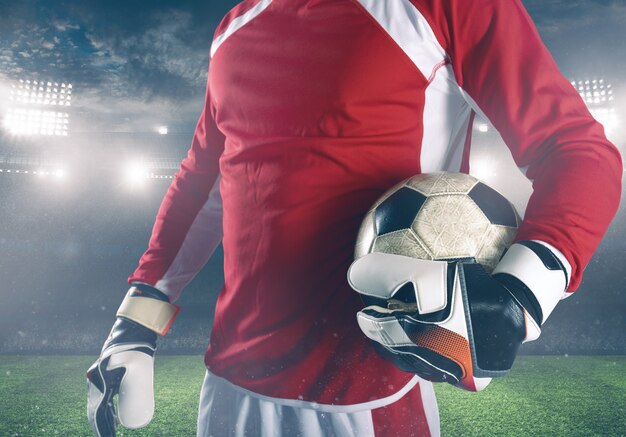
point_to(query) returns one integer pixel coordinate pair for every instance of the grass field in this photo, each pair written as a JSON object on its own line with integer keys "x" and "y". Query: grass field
{"x": 543, "y": 396}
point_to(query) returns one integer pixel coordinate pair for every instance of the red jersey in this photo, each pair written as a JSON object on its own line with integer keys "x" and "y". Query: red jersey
{"x": 314, "y": 108}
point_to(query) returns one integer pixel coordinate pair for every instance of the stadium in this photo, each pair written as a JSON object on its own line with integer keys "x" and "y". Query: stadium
{"x": 98, "y": 106}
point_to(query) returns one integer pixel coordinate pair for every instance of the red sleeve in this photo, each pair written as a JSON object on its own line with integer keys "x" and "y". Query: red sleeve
{"x": 508, "y": 74}
{"x": 170, "y": 260}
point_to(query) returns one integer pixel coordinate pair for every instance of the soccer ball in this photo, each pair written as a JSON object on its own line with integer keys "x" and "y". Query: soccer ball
{"x": 440, "y": 216}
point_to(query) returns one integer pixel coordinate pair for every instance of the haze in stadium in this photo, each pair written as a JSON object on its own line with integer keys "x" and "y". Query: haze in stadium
{"x": 114, "y": 92}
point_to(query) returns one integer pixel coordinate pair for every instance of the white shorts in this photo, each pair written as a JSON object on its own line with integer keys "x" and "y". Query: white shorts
{"x": 227, "y": 410}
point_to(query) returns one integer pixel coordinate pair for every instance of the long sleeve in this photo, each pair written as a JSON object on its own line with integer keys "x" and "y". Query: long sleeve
{"x": 506, "y": 73}
{"x": 188, "y": 226}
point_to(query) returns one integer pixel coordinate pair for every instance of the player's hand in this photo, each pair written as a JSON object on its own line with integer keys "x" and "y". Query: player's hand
{"x": 126, "y": 363}
{"x": 456, "y": 322}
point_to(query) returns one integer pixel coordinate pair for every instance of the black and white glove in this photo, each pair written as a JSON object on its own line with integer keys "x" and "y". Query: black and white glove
{"x": 126, "y": 363}
{"x": 452, "y": 321}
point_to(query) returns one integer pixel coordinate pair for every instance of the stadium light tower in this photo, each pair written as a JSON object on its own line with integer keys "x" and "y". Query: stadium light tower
{"x": 38, "y": 108}
{"x": 599, "y": 97}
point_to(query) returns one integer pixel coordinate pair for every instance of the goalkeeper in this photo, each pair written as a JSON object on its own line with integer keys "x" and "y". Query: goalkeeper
{"x": 313, "y": 109}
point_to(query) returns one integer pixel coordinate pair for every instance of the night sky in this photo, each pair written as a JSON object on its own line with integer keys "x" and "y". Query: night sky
{"x": 66, "y": 247}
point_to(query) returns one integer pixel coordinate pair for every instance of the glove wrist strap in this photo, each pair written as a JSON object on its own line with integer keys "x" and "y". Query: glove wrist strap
{"x": 540, "y": 270}
{"x": 156, "y": 315}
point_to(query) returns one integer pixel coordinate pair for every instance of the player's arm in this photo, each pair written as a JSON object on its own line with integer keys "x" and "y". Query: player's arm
{"x": 504, "y": 71}
{"x": 187, "y": 230}
{"x": 188, "y": 225}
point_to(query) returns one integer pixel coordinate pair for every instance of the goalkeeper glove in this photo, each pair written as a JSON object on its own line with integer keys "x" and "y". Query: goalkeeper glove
{"x": 125, "y": 365}
{"x": 453, "y": 321}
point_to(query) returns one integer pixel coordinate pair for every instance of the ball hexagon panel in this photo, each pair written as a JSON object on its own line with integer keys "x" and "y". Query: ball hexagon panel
{"x": 437, "y": 226}
{"x": 494, "y": 205}
{"x": 402, "y": 242}
{"x": 442, "y": 183}
{"x": 496, "y": 240}
{"x": 388, "y": 193}
{"x": 398, "y": 211}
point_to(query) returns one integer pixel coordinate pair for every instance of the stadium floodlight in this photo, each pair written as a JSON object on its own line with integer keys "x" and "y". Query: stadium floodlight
{"x": 143, "y": 168}
{"x": 20, "y": 121}
{"x": 27, "y": 92}
{"x": 594, "y": 91}
{"x": 37, "y": 107}
{"x": 41, "y": 172}
{"x": 598, "y": 95}
{"x": 162, "y": 130}
{"x": 44, "y": 172}
{"x": 136, "y": 172}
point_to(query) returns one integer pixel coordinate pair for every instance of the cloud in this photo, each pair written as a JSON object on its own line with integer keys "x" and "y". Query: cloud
{"x": 94, "y": 41}
{"x": 109, "y": 113}
{"x": 63, "y": 26}
{"x": 127, "y": 68}
{"x": 160, "y": 52}
{"x": 148, "y": 77}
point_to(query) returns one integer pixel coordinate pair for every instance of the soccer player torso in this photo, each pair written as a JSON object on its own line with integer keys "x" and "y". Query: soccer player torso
{"x": 322, "y": 110}
{"x": 314, "y": 109}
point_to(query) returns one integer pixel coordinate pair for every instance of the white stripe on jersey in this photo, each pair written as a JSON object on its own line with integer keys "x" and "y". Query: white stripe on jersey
{"x": 238, "y": 23}
{"x": 408, "y": 28}
{"x": 446, "y": 112}
{"x": 446, "y": 118}
{"x": 203, "y": 237}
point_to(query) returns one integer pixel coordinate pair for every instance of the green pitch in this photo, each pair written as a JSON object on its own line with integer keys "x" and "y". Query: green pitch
{"x": 543, "y": 396}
